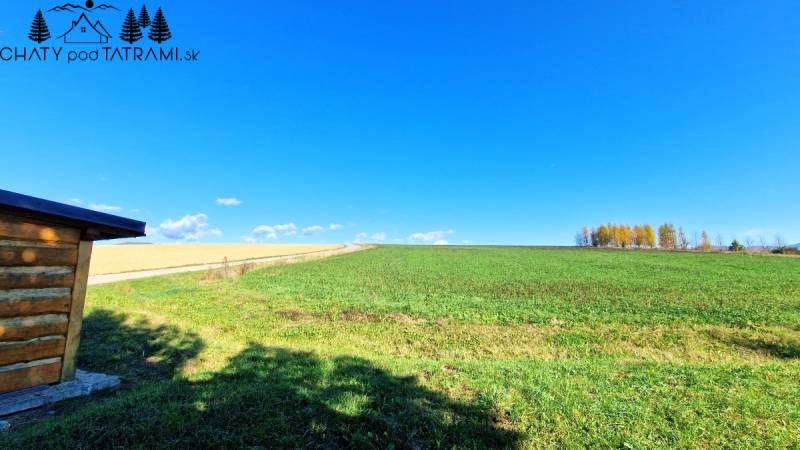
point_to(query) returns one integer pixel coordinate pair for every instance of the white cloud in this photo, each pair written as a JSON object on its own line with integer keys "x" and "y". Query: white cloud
{"x": 441, "y": 242}
{"x": 104, "y": 208}
{"x": 249, "y": 239}
{"x": 466, "y": 242}
{"x": 430, "y": 236}
{"x": 273, "y": 231}
{"x": 312, "y": 230}
{"x": 229, "y": 201}
{"x": 374, "y": 237}
{"x": 288, "y": 229}
{"x": 335, "y": 226}
{"x": 189, "y": 227}
{"x": 74, "y": 202}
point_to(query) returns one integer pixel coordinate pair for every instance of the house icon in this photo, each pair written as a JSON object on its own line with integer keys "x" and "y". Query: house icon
{"x": 83, "y": 32}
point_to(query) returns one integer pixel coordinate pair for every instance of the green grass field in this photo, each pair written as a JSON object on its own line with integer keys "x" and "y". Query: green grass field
{"x": 423, "y": 347}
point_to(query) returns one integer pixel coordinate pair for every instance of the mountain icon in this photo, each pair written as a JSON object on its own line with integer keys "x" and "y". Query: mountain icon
{"x": 71, "y": 7}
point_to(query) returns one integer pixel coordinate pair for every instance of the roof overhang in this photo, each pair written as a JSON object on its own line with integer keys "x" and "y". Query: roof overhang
{"x": 94, "y": 225}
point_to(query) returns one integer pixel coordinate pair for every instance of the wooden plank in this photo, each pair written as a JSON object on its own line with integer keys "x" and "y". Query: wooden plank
{"x": 36, "y": 277}
{"x": 76, "y": 310}
{"x": 33, "y": 255}
{"x": 36, "y": 244}
{"x": 28, "y": 302}
{"x": 22, "y": 376}
{"x": 32, "y": 349}
{"x": 18, "y": 328}
{"x": 16, "y": 228}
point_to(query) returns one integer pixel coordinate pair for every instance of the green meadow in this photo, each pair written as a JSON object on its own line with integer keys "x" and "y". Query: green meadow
{"x": 445, "y": 347}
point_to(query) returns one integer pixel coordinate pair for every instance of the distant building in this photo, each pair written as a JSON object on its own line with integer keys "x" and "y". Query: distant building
{"x": 83, "y": 32}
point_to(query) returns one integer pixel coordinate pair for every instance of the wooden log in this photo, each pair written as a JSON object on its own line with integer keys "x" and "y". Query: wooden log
{"x": 76, "y": 310}
{"x": 36, "y": 277}
{"x": 14, "y": 228}
{"x": 24, "y": 253}
{"x": 25, "y": 375}
{"x": 32, "y": 349}
{"x": 19, "y": 328}
{"x": 28, "y": 302}
{"x": 35, "y": 244}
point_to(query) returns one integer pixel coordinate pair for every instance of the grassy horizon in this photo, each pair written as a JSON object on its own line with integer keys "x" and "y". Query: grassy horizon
{"x": 469, "y": 347}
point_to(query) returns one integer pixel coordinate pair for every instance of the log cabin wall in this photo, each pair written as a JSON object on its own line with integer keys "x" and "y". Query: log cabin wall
{"x": 43, "y": 274}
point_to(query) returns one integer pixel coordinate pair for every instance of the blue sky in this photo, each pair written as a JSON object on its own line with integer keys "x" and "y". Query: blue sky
{"x": 419, "y": 121}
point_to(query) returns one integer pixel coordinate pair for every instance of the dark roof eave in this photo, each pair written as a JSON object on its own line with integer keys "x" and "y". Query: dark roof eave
{"x": 96, "y": 225}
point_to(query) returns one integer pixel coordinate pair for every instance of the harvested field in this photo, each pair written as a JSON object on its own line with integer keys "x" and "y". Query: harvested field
{"x": 131, "y": 258}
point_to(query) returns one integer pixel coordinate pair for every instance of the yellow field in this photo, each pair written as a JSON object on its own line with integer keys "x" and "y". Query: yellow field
{"x": 128, "y": 258}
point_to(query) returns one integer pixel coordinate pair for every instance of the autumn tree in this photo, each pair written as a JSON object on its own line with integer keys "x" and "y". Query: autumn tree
{"x": 39, "y": 31}
{"x": 130, "y": 28}
{"x": 666, "y": 237}
{"x": 705, "y": 241}
{"x": 639, "y": 237}
{"x": 603, "y": 236}
{"x": 595, "y": 238}
{"x": 613, "y": 235}
{"x": 624, "y": 236}
{"x": 650, "y": 236}
{"x": 586, "y": 237}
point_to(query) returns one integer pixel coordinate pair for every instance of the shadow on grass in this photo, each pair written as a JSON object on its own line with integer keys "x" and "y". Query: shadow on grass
{"x": 264, "y": 398}
{"x": 775, "y": 347}
{"x": 136, "y": 350}
{"x": 783, "y": 350}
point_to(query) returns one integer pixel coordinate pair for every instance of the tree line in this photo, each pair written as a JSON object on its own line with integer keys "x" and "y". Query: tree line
{"x": 666, "y": 237}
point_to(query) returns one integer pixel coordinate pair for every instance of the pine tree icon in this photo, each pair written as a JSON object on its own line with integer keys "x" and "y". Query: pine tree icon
{"x": 144, "y": 18}
{"x": 130, "y": 28}
{"x": 159, "y": 30}
{"x": 39, "y": 32}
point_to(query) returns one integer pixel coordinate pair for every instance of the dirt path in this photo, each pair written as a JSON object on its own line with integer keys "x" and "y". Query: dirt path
{"x": 288, "y": 259}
